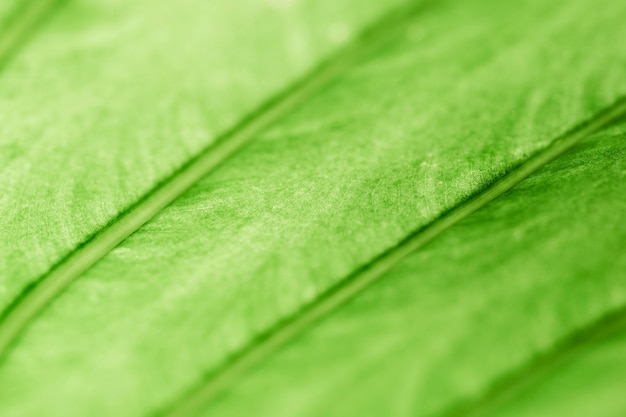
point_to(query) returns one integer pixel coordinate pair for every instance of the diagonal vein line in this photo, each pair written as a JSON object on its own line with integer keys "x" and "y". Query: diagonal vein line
{"x": 283, "y": 332}
{"x": 38, "y": 295}
{"x": 21, "y": 24}
{"x": 524, "y": 377}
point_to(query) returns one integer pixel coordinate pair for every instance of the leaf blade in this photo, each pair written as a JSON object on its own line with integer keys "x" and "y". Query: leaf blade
{"x": 141, "y": 294}
{"x": 97, "y": 71}
{"x": 589, "y": 380}
{"x": 457, "y": 322}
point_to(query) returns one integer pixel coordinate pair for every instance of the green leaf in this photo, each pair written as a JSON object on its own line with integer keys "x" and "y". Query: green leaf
{"x": 111, "y": 98}
{"x": 476, "y": 314}
{"x": 429, "y": 117}
{"x": 424, "y": 122}
{"x": 6, "y": 10}
{"x": 588, "y": 380}
{"x": 18, "y": 21}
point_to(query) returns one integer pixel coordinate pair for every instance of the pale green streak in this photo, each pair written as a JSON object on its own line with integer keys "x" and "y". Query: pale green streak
{"x": 18, "y": 22}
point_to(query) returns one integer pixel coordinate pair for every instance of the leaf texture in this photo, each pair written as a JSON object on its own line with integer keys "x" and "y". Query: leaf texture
{"x": 441, "y": 331}
{"x": 410, "y": 132}
{"x": 590, "y": 381}
{"x": 114, "y": 97}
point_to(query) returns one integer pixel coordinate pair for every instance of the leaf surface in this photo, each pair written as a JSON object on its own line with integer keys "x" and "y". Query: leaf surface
{"x": 448, "y": 329}
{"x": 114, "y": 97}
{"x": 6, "y": 9}
{"x": 590, "y": 381}
{"x": 413, "y": 130}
